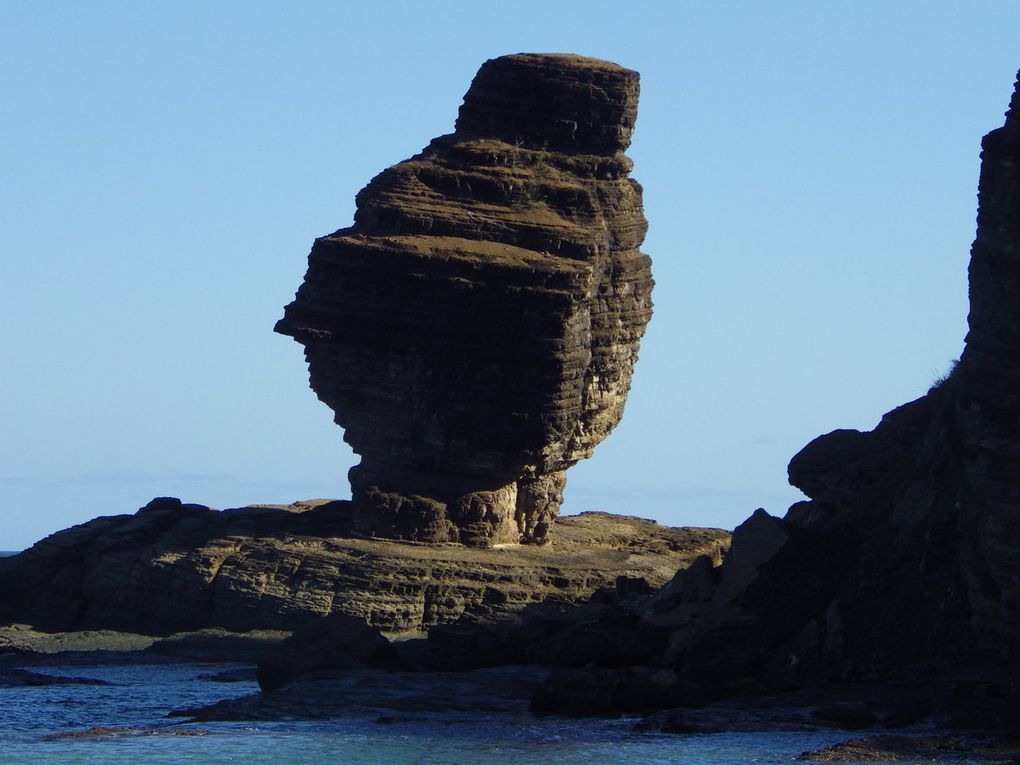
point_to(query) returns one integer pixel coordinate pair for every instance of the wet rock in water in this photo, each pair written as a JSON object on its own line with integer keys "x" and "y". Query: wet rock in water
{"x": 219, "y": 645}
{"x": 846, "y": 715}
{"x": 237, "y": 675}
{"x": 475, "y": 330}
{"x": 324, "y": 647}
{"x": 610, "y": 692}
{"x": 934, "y": 749}
{"x": 12, "y": 677}
{"x": 502, "y": 692}
{"x": 103, "y": 731}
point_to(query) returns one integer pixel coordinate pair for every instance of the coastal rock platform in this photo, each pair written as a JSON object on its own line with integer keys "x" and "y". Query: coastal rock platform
{"x": 174, "y": 567}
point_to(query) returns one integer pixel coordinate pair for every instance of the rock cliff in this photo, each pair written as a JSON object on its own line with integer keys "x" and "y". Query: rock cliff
{"x": 927, "y": 504}
{"x": 476, "y": 329}
{"x": 174, "y": 567}
{"x": 904, "y": 565}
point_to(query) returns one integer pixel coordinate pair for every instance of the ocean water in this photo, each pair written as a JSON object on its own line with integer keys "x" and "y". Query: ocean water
{"x": 32, "y": 721}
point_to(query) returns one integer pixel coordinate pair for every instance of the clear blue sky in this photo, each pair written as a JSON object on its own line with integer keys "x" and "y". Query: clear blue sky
{"x": 809, "y": 170}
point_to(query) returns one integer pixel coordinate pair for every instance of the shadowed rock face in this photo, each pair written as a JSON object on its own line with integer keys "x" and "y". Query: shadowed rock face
{"x": 476, "y": 329}
{"x": 934, "y": 490}
{"x": 906, "y": 560}
{"x": 903, "y": 568}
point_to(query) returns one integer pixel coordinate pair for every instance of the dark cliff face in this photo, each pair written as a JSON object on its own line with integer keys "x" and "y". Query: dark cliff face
{"x": 985, "y": 395}
{"x": 907, "y": 557}
{"x": 903, "y": 568}
{"x": 475, "y": 330}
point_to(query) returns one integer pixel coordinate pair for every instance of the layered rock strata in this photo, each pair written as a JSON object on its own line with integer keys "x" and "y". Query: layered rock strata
{"x": 175, "y": 567}
{"x": 476, "y": 329}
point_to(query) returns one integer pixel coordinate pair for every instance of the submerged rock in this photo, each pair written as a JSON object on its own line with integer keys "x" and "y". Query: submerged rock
{"x": 476, "y": 329}
{"x": 104, "y": 731}
{"x": 236, "y": 675}
{"x": 13, "y": 677}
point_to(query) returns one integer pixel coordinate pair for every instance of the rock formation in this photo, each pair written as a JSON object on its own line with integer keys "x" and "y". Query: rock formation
{"x": 334, "y": 644}
{"x": 174, "y": 567}
{"x": 475, "y": 330}
{"x": 904, "y": 566}
{"x": 928, "y": 503}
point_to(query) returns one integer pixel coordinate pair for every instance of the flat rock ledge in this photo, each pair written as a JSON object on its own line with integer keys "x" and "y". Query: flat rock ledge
{"x": 175, "y": 567}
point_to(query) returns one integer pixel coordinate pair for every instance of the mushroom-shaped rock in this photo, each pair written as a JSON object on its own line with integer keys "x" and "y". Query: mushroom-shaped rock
{"x": 476, "y": 329}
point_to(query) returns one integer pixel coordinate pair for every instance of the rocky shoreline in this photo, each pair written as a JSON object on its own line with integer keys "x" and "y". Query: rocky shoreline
{"x": 882, "y": 723}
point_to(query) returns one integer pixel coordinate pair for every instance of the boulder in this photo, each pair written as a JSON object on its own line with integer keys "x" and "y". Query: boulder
{"x": 754, "y": 543}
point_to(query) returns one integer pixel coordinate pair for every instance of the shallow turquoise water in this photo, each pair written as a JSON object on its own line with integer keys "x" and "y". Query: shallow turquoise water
{"x": 143, "y": 694}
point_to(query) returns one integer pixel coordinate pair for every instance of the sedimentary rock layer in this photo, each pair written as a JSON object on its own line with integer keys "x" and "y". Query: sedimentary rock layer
{"x": 173, "y": 567}
{"x": 476, "y": 329}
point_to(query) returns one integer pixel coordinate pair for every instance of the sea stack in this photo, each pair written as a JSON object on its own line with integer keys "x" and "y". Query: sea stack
{"x": 475, "y": 330}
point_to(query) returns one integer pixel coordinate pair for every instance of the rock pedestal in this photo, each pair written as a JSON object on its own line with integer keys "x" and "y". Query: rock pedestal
{"x": 476, "y": 329}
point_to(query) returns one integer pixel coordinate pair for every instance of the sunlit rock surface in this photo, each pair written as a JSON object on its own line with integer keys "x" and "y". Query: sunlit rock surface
{"x": 476, "y": 329}
{"x": 174, "y": 567}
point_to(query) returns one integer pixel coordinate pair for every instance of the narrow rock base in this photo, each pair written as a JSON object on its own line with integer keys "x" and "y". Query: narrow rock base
{"x": 429, "y": 507}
